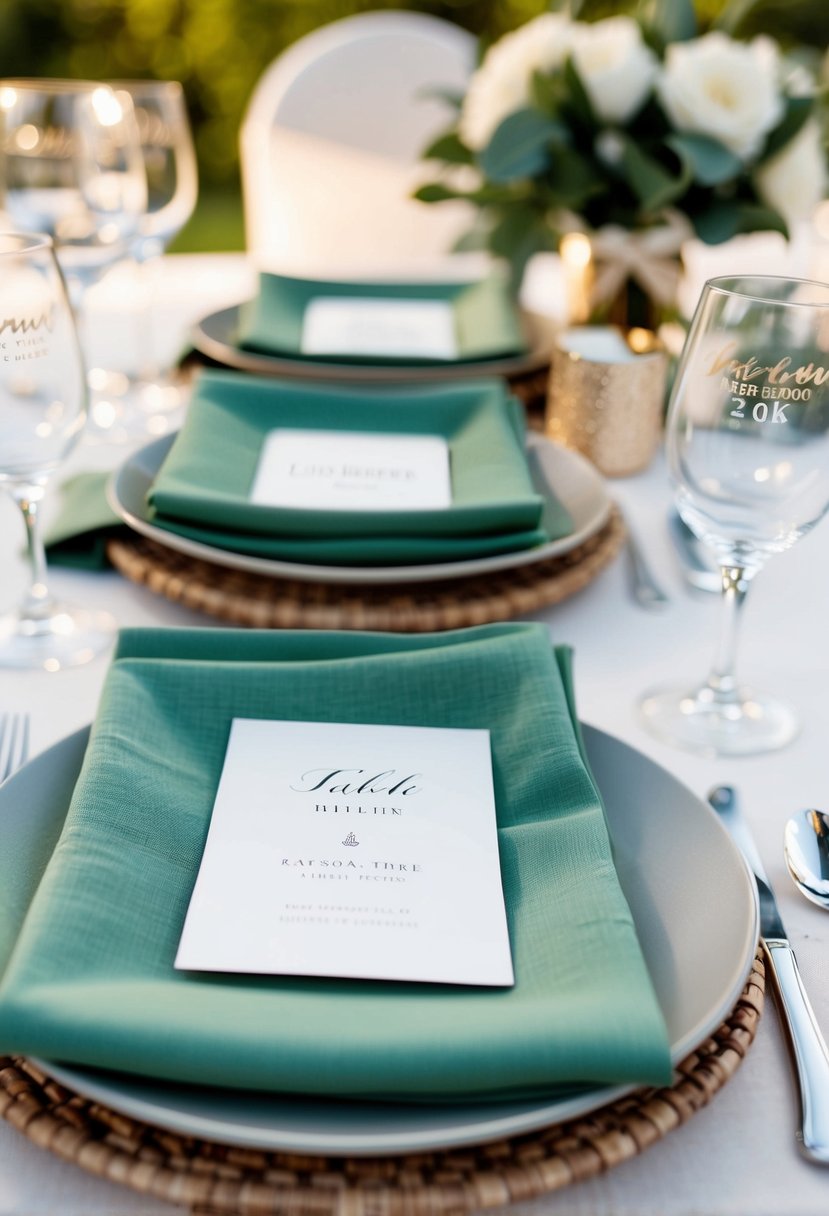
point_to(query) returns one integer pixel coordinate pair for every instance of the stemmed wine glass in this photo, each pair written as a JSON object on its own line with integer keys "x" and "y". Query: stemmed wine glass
{"x": 748, "y": 450}
{"x": 172, "y": 190}
{"x": 43, "y": 396}
{"x": 71, "y": 166}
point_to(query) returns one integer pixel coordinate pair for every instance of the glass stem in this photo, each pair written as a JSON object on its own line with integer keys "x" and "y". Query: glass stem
{"x": 721, "y": 678}
{"x": 147, "y": 365}
{"x": 37, "y": 603}
{"x": 76, "y": 290}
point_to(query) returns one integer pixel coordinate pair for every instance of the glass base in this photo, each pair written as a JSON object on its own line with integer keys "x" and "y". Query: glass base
{"x": 702, "y": 721}
{"x": 67, "y": 637}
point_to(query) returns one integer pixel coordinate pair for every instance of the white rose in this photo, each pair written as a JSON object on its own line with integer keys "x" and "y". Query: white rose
{"x": 793, "y": 181}
{"x": 501, "y": 84}
{"x": 722, "y": 88}
{"x": 616, "y": 67}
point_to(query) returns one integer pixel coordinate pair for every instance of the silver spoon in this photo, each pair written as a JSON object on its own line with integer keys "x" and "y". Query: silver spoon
{"x": 806, "y": 847}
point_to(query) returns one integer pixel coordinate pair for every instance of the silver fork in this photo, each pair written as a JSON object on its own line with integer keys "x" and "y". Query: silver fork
{"x": 14, "y": 743}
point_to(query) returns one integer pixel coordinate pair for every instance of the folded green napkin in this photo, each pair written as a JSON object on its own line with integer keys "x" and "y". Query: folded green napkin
{"x": 84, "y": 523}
{"x": 91, "y": 980}
{"x": 202, "y": 489}
{"x": 486, "y": 321}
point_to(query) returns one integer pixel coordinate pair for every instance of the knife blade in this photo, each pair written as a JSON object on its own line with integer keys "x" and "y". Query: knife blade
{"x": 699, "y": 565}
{"x": 809, "y": 1051}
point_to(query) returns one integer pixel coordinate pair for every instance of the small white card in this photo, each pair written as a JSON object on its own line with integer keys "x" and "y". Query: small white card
{"x": 352, "y": 851}
{"x": 353, "y": 325}
{"x": 352, "y": 471}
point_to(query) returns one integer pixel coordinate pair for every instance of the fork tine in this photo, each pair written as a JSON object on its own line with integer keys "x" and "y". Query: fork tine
{"x": 14, "y": 743}
{"x": 23, "y": 745}
{"x": 4, "y": 746}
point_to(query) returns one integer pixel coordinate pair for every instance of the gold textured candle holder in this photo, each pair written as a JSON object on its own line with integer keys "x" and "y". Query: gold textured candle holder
{"x": 606, "y": 396}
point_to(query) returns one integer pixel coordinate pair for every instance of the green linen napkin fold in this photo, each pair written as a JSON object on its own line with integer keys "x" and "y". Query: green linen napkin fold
{"x": 91, "y": 977}
{"x": 202, "y": 490}
{"x": 486, "y": 321}
{"x": 84, "y": 523}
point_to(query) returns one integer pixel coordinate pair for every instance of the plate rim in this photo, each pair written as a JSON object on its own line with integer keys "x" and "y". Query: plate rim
{"x": 532, "y": 1116}
{"x": 229, "y": 355}
{"x": 358, "y": 575}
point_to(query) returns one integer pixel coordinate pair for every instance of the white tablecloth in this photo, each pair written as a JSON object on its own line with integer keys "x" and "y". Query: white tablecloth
{"x": 736, "y": 1158}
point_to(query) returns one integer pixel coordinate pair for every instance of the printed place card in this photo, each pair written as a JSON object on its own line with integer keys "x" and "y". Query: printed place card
{"x": 352, "y": 851}
{"x": 353, "y": 471}
{"x": 353, "y": 325}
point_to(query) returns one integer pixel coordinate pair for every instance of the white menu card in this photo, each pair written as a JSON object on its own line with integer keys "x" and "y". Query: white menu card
{"x": 355, "y": 325}
{"x": 352, "y": 471}
{"x": 352, "y": 851}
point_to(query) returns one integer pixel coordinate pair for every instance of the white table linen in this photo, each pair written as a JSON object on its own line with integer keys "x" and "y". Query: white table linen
{"x": 738, "y": 1157}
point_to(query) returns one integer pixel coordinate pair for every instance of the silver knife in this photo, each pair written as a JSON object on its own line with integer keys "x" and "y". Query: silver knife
{"x": 811, "y": 1057}
{"x": 699, "y": 565}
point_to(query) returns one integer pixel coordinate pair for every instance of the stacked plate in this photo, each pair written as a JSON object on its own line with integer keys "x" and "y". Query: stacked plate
{"x": 476, "y": 334}
{"x": 698, "y": 940}
{"x": 265, "y": 335}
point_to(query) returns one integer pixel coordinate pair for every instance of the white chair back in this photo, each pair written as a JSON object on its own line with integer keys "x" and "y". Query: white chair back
{"x": 331, "y": 141}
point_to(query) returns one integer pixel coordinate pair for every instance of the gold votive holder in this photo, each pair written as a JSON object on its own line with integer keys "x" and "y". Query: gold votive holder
{"x": 606, "y": 396}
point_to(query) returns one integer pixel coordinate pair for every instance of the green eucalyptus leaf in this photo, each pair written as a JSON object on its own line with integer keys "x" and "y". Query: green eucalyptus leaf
{"x": 519, "y": 234}
{"x": 572, "y": 178}
{"x": 756, "y": 218}
{"x": 733, "y": 13}
{"x": 487, "y": 195}
{"x": 577, "y": 94}
{"x": 653, "y": 184}
{"x": 669, "y": 20}
{"x": 450, "y": 148}
{"x": 520, "y": 146}
{"x": 718, "y": 223}
{"x": 435, "y": 192}
{"x": 544, "y": 92}
{"x": 789, "y": 21}
{"x": 492, "y": 194}
{"x": 797, "y": 112}
{"x": 727, "y": 219}
{"x": 707, "y": 160}
{"x": 473, "y": 241}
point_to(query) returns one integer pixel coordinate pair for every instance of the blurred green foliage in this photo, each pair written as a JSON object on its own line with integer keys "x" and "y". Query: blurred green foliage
{"x": 216, "y": 48}
{"x": 219, "y": 48}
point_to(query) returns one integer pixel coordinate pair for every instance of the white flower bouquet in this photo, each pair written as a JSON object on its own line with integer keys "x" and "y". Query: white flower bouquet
{"x": 638, "y": 135}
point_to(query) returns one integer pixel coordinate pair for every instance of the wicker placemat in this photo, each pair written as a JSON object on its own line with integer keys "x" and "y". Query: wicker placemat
{"x": 215, "y": 1178}
{"x": 275, "y": 603}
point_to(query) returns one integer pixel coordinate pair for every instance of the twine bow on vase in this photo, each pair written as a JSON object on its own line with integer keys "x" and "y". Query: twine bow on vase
{"x": 636, "y": 272}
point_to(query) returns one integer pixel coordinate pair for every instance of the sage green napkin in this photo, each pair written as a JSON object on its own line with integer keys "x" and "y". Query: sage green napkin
{"x": 78, "y": 535}
{"x": 91, "y": 977}
{"x": 486, "y": 320}
{"x": 202, "y": 489}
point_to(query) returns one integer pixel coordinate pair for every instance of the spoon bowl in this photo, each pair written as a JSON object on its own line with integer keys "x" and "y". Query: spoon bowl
{"x": 806, "y": 847}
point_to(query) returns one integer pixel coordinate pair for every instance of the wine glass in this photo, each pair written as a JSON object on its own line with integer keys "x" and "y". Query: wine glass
{"x": 43, "y": 396}
{"x": 748, "y": 451}
{"x": 172, "y": 190}
{"x": 71, "y": 166}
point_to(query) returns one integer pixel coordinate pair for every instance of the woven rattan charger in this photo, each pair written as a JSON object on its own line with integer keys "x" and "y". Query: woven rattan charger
{"x": 214, "y": 1178}
{"x": 279, "y": 603}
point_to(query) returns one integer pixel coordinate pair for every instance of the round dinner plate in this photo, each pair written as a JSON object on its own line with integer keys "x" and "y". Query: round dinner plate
{"x": 553, "y": 468}
{"x": 215, "y": 336}
{"x": 691, "y": 896}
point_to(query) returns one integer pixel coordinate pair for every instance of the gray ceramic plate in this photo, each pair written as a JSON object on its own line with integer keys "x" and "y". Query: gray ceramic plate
{"x": 215, "y": 336}
{"x": 690, "y": 893}
{"x": 576, "y": 482}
